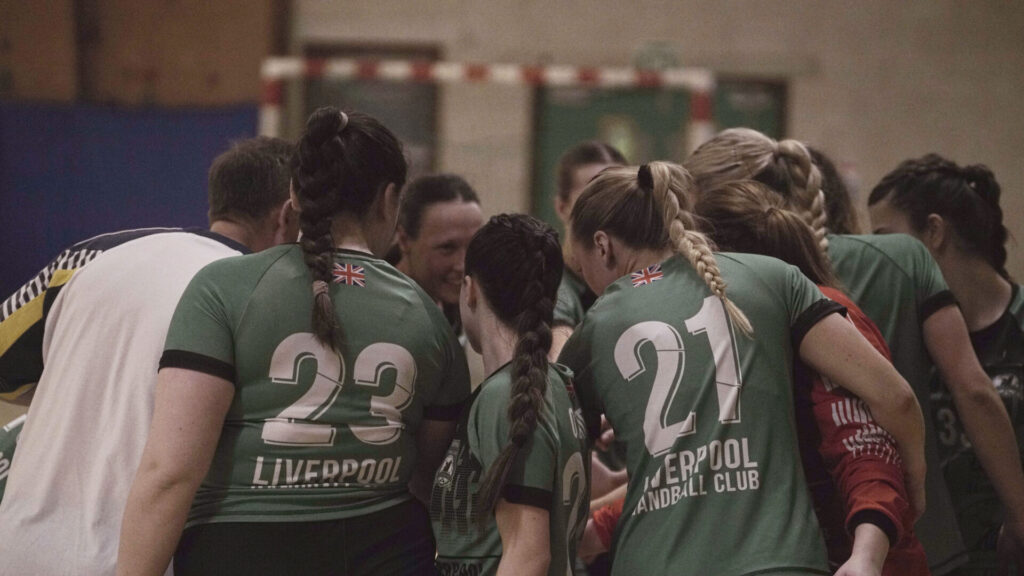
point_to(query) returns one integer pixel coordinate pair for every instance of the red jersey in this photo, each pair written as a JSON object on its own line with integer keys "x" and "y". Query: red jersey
{"x": 852, "y": 465}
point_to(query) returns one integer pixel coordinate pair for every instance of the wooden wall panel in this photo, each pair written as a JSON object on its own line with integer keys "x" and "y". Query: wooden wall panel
{"x": 37, "y": 50}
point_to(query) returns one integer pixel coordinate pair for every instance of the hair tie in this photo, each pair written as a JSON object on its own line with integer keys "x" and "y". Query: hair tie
{"x": 319, "y": 287}
{"x": 344, "y": 121}
{"x": 644, "y": 178}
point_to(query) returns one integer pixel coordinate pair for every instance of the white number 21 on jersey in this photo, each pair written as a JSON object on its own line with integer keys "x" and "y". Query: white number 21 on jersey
{"x": 712, "y": 319}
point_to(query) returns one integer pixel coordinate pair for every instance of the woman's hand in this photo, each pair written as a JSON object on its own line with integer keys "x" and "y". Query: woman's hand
{"x": 870, "y": 547}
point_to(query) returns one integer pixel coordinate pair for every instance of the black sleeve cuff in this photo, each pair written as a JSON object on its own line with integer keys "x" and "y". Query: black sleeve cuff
{"x": 814, "y": 314}
{"x": 878, "y": 519}
{"x": 444, "y": 412}
{"x": 197, "y": 363}
{"x": 936, "y": 302}
{"x": 526, "y": 495}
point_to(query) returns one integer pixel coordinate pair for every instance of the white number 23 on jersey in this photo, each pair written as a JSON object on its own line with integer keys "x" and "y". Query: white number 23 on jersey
{"x": 301, "y": 359}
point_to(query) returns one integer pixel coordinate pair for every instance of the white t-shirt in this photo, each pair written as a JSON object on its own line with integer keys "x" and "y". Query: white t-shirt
{"x": 88, "y": 421}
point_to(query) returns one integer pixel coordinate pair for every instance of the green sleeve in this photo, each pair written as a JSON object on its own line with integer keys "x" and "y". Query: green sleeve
{"x": 802, "y": 293}
{"x": 568, "y": 307}
{"x": 200, "y": 336}
{"x": 531, "y": 478}
{"x": 807, "y": 305}
{"x": 930, "y": 289}
{"x": 8, "y": 442}
{"x": 576, "y": 355}
{"x": 454, "y": 386}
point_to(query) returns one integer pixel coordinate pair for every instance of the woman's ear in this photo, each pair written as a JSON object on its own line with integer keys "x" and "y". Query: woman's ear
{"x": 469, "y": 290}
{"x": 936, "y": 232}
{"x": 286, "y": 222}
{"x": 605, "y": 248}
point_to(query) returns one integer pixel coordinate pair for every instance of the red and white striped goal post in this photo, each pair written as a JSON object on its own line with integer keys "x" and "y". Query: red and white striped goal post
{"x": 276, "y": 71}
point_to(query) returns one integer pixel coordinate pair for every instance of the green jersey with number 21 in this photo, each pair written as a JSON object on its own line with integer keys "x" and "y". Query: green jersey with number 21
{"x": 706, "y": 414}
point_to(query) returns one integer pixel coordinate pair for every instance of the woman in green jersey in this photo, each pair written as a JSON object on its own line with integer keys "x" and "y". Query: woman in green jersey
{"x": 897, "y": 283}
{"x": 511, "y": 495}
{"x": 697, "y": 382}
{"x": 303, "y": 391}
{"x": 577, "y": 166}
{"x": 954, "y": 210}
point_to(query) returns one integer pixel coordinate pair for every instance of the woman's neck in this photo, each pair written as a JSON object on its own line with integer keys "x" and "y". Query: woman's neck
{"x": 497, "y": 344}
{"x": 348, "y": 234}
{"x": 634, "y": 260}
{"x": 982, "y": 293}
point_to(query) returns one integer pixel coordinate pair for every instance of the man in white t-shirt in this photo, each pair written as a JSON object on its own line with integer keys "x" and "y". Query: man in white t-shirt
{"x": 81, "y": 342}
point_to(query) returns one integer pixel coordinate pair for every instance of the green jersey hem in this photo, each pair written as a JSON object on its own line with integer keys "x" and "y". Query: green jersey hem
{"x": 302, "y": 515}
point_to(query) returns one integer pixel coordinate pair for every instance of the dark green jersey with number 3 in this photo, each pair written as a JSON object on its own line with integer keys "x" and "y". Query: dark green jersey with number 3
{"x": 311, "y": 433}
{"x": 706, "y": 413}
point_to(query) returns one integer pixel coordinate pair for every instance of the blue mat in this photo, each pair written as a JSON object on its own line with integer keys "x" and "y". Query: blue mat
{"x": 69, "y": 172}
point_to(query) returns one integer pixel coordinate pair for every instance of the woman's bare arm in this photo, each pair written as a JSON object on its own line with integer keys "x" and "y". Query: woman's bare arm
{"x": 187, "y": 421}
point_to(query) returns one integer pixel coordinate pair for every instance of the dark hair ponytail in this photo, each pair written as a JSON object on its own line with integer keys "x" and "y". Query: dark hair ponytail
{"x": 966, "y": 197}
{"x": 342, "y": 163}
{"x": 517, "y": 262}
{"x": 982, "y": 181}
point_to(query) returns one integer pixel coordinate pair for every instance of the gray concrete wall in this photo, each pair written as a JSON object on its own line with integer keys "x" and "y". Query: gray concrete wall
{"x": 872, "y": 82}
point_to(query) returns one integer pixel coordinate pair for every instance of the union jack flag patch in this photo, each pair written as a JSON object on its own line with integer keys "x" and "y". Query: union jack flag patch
{"x": 349, "y": 274}
{"x": 647, "y": 275}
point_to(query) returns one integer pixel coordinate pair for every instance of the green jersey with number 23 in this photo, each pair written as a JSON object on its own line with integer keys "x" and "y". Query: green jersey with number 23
{"x": 314, "y": 434}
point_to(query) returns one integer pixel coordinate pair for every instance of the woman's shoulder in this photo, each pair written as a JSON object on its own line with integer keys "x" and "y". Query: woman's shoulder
{"x": 497, "y": 388}
{"x": 901, "y": 250}
{"x": 243, "y": 273}
{"x": 755, "y": 263}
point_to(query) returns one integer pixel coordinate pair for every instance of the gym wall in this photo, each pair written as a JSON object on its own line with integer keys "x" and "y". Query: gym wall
{"x": 871, "y": 82}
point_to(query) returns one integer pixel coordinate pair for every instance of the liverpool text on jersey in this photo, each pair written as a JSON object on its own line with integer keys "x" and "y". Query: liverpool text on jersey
{"x": 298, "y": 473}
{"x": 720, "y": 466}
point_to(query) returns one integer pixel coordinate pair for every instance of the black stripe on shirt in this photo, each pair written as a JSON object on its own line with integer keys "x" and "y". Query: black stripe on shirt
{"x": 812, "y": 315}
{"x": 877, "y": 518}
{"x": 198, "y": 363}
{"x": 535, "y": 497}
{"x": 443, "y": 412}
{"x": 936, "y": 302}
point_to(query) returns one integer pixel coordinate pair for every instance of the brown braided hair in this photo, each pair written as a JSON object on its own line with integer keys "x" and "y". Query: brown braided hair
{"x": 517, "y": 262}
{"x": 343, "y": 162}
{"x": 967, "y": 197}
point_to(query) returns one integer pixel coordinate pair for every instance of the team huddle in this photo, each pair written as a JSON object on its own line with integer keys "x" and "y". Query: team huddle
{"x": 711, "y": 373}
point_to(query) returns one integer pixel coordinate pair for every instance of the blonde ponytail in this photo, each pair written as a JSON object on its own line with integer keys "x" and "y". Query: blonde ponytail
{"x": 669, "y": 185}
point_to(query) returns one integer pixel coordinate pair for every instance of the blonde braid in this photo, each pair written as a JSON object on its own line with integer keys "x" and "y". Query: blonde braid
{"x": 807, "y": 195}
{"x": 670, "y": 183}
